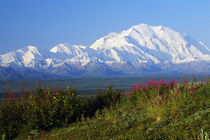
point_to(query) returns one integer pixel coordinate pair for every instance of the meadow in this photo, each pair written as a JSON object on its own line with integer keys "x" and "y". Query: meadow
{"x": 87, "y": 85}
{"x": 156, "y": 109}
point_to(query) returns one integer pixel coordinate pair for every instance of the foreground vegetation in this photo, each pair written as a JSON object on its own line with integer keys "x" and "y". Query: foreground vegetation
{"x": 155, "y": 110}
{"x": 43, "y": 110}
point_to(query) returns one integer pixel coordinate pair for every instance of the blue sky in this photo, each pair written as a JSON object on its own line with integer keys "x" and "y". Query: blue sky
{"x": 46, "y": 23}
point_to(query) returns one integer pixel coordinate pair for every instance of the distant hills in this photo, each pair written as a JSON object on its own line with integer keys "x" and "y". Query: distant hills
{"x": 142, "y": 49}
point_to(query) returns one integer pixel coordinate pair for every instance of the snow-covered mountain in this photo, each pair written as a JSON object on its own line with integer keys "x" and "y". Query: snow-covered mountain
{"x": 150, "y": 44}
{"x": 25, "y": 57}
{"x": 66, "y": 51}
{"x": 140, "y": 49}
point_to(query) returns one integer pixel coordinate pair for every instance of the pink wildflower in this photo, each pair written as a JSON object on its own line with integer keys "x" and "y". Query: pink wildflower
{"x": 127, "y": 93}
{"x": 154, "y": 81}
{"x": 161, "y": 82}
{"x": 148, "y": 84}
{"x": 134, "y": 87}
{"x": 151, "y": 83}
{"x": 165, "y": 82}
{"x": 173, "y": 82}
{"x": 140, "y": 85}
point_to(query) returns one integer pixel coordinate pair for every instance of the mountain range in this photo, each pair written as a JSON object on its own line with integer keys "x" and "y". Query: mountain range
{"x": 140, "y": 50}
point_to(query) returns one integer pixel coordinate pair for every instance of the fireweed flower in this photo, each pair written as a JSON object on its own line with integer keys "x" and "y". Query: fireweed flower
{"x": 154, "y": 81}
{"x": 148, "y": 84}
{"x": 151, "y": 83}
{"x": 172, "y": 83}
{"x": 165, "y": 84}
{"x": 127, "y": 93}
{"x": 161, "y": 82}
{"x": 134, "y": 87}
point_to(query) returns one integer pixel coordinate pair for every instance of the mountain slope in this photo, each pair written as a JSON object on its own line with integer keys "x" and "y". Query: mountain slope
{"x": 153, "y": 44}
{"x": 140, "y": 49}
{"x": 25, "y": 57}
{"x": 66, "y": 51}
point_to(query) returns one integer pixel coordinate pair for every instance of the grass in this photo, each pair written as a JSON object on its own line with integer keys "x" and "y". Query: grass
{"x": 155, "y": 110}
{"x": 45, "y": 109}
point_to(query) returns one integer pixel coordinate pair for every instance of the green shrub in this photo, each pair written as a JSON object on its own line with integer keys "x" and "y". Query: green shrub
{"x": 45, "y": 109}
{"x": 110, "y": 97}
{"x": 11, "y": 118}
{"x": 153, "y": 111}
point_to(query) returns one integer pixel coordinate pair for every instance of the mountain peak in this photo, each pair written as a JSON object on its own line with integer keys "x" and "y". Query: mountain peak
{"x": 31, "y": 47}
{"x": 147, "y": 29}
{"x": 27, "y": 49}
{"x": 154, "y": 48}
{"x": 154, "y": 44}
{"x": 25, "y": 57}
{"x": 141, "y": 25}
{"x": 62, "y": 47}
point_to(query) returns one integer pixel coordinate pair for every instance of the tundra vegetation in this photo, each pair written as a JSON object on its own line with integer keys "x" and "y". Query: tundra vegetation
{"x": 151, "y": 110}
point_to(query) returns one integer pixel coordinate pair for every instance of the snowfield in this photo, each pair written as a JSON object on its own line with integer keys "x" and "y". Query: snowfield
{"x": 140, "y": 49}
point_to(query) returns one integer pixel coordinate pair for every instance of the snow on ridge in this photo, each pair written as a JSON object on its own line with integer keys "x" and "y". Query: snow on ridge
{"x": 62, "y": 47}
{"x": 7, "y": 58}
{"x": 139, "y": 44}
{"x": 22, "y": 57}
{"x": 149, "y": 41}
{"x": 206, "y": 47}
{"x": 68, "y": 49}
